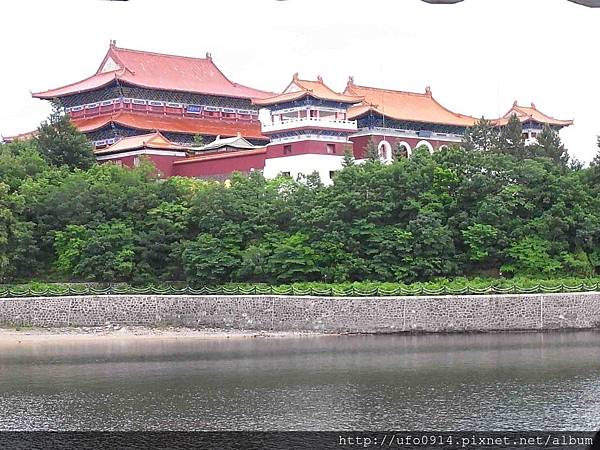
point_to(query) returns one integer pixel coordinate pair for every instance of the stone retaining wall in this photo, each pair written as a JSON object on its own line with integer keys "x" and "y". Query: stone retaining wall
{"x": 324, "y": 314}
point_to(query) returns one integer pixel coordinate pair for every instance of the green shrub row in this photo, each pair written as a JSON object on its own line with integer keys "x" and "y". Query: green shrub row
{"x": 364, "y": 289}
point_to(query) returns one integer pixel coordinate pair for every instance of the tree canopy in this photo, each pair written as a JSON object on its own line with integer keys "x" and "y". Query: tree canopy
{"x": 493, "y": 207}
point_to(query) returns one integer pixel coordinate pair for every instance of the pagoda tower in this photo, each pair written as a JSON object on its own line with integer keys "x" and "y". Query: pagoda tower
{"x": 308, "y": 128}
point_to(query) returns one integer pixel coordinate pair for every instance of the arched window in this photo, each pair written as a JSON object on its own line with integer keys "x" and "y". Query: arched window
{"x": 425, "y": 144}
{"x": 385, "y": 151}
{"x": 443, "y": 147}
{"x": 404, "y": 147}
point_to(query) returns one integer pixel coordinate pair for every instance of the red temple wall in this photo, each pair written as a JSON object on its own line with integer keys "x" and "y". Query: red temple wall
{"x": 163, "y": 163}
{"x": 210, "y": 167}
{"x": 306, "y": 147}
{"x": 360, "y": 143}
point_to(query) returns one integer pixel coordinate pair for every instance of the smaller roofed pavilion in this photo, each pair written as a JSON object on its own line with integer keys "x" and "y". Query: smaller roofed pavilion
{"x": 157, "y": 148}
{"x": 226, "y": 144}
{"x": 532, "y": 120}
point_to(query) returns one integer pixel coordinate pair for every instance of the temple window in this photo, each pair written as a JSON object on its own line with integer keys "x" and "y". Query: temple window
{"x": 330, "y": 148}
{"x": 425, "y": 144}
{"x": 287, "y": 149}
{"x": 385, "y": 151}
{"x": 404, "y": 149}
{"x": 328, "y": 115}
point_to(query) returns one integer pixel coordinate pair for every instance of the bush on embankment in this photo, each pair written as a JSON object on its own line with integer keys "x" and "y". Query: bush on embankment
{"x": 439, "y": 287}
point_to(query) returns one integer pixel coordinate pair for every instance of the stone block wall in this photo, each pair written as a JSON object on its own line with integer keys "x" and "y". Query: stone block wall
{"x": 323, "y": 314}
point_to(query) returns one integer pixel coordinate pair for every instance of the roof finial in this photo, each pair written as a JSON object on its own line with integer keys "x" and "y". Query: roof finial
{"x": 533, "y": 105}
{"x": 113, "y": 43}
{"x": 208, "y": 56}
{"x": 350, "y": 79}
{"x": 239, "y": 134}
{"x": 295, "y": 77}
{"x": 428, "y": 90}
{"x": 319, "y": 78}
{"x": 515, "y": 103}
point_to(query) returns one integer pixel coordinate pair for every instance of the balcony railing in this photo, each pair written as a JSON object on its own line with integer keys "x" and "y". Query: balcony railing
{"x": 302, "y": 122}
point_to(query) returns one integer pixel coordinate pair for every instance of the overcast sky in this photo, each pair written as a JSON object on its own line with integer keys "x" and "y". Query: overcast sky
{"x": 478, "y": 56}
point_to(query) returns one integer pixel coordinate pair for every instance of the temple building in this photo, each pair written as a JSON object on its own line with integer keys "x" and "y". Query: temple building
{"x": 189, "y": 119}
{"x": 390, "y": 118}
{"x": 308, "y": 128}
{"x": 136, "y": 92}
{"x": 532, "y": 120}
{"x": 128, "y": 152}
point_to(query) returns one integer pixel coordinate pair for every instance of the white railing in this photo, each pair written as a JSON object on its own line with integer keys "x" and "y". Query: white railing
{"x": 290, "y": 124}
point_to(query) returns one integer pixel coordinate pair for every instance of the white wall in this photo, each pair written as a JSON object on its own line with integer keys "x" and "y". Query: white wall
{"x": 303, "y": 165}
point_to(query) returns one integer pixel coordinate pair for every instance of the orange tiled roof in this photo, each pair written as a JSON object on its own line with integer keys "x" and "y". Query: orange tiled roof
{"x": 158, "y": 71}
{"x": 526, "y": 113}
{"x": 221, "y": 155}
{"x": 298, "y": 89}
{"x": 171, "y": 124}
{"x": 20, "y": 137}
{"x": 399, "y": 105}
{"x": 152, "y": 140}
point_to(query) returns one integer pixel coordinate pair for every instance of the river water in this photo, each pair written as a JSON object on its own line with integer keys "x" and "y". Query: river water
{"x": 442, "y": 382}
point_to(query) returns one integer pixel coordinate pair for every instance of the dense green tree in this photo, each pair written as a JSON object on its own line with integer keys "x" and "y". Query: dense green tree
{"x": 455, "y": 212}
{"x": 531, "y": 256}
{"x": 292, "y": 259}
{"x": 61, "y": 144}
{"x": 549, "y": 145}
{"x": 18, "y": 162}
{"x": 16, "y": 241}
{"x": 372, "y": 152}
{"x": 105, "y": 252}
{"x": 483, "y": 136}
{"x": 208, "y": 260}
{"x": 348, "y": 158}
{"x": 158, "y": 242}
{"x": 400, "y": 151}
{"x": 511, "y": 140}
{"x": 481, "y": 241}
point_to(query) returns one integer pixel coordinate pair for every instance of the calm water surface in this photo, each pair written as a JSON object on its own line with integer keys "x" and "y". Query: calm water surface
{"x": 499, "y": 381}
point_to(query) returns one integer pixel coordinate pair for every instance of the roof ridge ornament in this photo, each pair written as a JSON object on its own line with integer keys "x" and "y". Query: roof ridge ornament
{"x": 533, "y": 105}
{"x": 209, "y": 56}
{"x": 319, "y": 78}
{"x": 428, "y": 90}
{"x": 515, "y": 103}
{"x": 113, "y": 43}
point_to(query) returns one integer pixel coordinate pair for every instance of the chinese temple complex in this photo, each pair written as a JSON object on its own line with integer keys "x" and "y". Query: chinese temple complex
{"x": 308, "y": 128}
{"x": 135, "y": 92}
{"x": 189, "y": 119}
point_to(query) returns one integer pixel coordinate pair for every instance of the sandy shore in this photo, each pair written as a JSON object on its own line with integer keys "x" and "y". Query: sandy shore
{"x": 129, "y": 332}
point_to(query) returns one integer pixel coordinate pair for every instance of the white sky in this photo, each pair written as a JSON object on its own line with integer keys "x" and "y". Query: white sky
{"x": 478, "y": 56}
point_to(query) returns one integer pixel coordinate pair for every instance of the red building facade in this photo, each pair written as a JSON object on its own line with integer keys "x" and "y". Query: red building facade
{"x": 135, "y": 92}
{"x": 189, "y": 119}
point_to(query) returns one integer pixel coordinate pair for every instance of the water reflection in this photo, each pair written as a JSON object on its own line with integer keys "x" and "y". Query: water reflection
{"x": 498, "y": 381}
